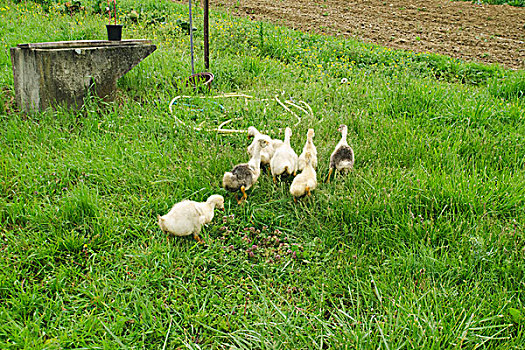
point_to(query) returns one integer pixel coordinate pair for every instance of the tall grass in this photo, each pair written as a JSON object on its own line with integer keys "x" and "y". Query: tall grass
{"x": 421, "y": 246}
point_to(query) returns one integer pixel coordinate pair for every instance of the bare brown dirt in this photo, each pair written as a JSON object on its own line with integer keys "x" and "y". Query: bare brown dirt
{"x": 481, "y": 33}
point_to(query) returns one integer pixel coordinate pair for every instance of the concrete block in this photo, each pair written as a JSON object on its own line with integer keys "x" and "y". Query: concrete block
{"x": 47, "y": 74}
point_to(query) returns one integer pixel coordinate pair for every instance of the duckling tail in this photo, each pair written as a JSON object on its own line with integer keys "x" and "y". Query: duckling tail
{"x": 229, "y": 182}
{"x": 226, "y": 179}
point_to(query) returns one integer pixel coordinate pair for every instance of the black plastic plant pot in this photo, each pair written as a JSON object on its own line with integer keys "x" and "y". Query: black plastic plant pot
{"x": 114, "y": 32}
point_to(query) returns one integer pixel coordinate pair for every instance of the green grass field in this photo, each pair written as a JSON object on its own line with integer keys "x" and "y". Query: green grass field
{"x": 421, "y": 246}
{"x": 518, "y": 3}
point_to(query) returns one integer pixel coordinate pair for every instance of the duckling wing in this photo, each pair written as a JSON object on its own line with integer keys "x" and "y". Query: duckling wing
{"x": 245, "y": 175}
{"x": 284, "y": 161}
{"x": 251, "y": 147}
{"x": 312, "y": 183}
{"x": 242, "y": 171}
{"x": 201, "y": 214}
{"x": 298, "y": 186}
{"x": 241, "y": 175}
{"x": 294, "y": 159}
{"x": 343, "y": 157}
{"x": 300, "y": 183}
{"x": 265, "y": 157}
{"x": 301, "y": 163}
{"x": 182, "y": 219}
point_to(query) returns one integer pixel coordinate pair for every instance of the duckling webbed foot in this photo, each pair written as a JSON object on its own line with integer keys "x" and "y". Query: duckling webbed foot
{"x": 198, "y": 239}
{"x": 239, "y": 200}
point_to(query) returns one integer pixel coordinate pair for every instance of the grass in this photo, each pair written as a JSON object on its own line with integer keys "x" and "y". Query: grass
{"x": 518, "y": 3}
{"x": 421, "y": 246}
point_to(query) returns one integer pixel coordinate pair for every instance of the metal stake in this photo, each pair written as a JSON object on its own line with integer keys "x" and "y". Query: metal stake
{"x": 206, "y": 34}
{"x": 191, "y": 43}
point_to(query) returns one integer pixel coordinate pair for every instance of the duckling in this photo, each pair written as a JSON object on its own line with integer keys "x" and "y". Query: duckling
{"x": 267, "y": 152}
{"x": 187, "y": 217}
{"x": 308, "y": 147}
{"x": 342, "y": 157}
{"x": 305, "y": 181}
{"x": 284, "y": 160}
{"x": 243, "y": 176}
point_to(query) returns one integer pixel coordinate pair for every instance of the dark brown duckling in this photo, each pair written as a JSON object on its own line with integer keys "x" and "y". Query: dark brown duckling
{"x": 342, "y": 157}
{"x": 245, "y": 175}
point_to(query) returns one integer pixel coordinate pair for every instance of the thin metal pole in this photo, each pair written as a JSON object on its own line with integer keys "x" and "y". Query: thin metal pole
{"x": 191, "y": 43}
{"x": 206, "y": 36}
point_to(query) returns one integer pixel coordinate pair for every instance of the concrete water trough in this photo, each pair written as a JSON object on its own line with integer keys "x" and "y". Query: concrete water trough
{"x": 64, "y": 72}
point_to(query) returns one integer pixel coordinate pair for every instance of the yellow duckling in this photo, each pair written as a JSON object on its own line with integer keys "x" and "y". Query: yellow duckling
{"x": 310, "y": 148}
{"x": 284, "y": 160}
{"x": 306, "y": 181}
{"x": 187, "y": 217}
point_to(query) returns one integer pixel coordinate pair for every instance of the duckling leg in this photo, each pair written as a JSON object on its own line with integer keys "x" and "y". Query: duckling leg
{"x": 274, "y": 179}
{"x": 329, "y": 174}
{"x": 244, "y": 195}
{"x": 308, "y": 191}
{"x": 295, "y": 199}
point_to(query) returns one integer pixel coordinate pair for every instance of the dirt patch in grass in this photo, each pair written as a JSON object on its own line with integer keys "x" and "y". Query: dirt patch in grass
{"x": 482, "y": 33}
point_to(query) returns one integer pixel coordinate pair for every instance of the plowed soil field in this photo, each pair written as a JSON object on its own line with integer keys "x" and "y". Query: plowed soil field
{"x": 473, "y": 32}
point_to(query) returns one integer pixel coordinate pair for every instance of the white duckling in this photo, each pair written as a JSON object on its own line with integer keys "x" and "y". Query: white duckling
{"x": 187, "y": 217}
{"x": 306, "y": 181}
{"x": 243, "y": 176}
{"x": 284, "y": 160}
{"x": 342, "y": 157}
{"x": 309, "y": 147}
{"x": 267, "y": 152}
